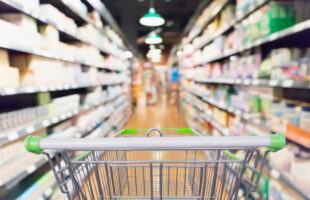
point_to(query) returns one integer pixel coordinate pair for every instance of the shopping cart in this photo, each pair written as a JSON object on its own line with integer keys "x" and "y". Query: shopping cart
{"x": 133, "y": 166}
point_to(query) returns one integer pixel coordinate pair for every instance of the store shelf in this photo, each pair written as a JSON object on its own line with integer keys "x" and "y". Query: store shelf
{"x": 20, "y": 176}
{"x": 29, "y": 170}
{"x": 283, "y": 179}
{"x": 93, "y": 126}
{"x": 50, "y": 88}
{"x": 214, "y": 13}
{"x": 274, "y": 173}
{"x": 36, "y": 14}
{"x": 247, "y": 117}
{"x": 256, "y": 82}
{"x": 48, "y": 192}
{"x": 300, "y": 27}
{"x": 232, "y": 23}
{"x": 11, "y": 45}
{"x": 14, "y": 135}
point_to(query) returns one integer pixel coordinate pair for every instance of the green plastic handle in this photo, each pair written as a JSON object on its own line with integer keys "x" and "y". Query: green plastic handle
{"x": 277, "y": 142}
{"x": 32, "y": 144}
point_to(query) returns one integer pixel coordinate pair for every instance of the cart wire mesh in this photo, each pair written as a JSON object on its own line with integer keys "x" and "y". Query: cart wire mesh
{"x": 159, "y": 174}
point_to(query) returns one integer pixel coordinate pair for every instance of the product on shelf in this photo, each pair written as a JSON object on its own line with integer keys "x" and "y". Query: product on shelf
{"x": 15, "y": 159}
{"x": 95, "y": 16}
{"x": 21, "y": 20}
{"x": 58, "y": 18}
{"x": 29, "y": 4}
{"x": 40, "y": 187}
{"x": 78, "y": 5}
{"x": 9, "y": 77}
{"x": 49, "y": 32}
{"x": 21, "y": 118}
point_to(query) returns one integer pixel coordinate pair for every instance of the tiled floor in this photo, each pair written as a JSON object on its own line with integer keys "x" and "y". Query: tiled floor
{"x": 161, "y": 115}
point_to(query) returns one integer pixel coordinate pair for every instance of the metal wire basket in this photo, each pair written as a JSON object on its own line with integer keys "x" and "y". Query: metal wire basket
{"x": 133, "y": 166}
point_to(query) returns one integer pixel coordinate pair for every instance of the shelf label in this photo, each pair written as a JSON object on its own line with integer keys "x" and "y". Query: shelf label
{"x": 43, "y": 88}
{"x": 13, "y": 136}
{"x": 273, "y": 83}
{"x": 63, "y": 116}
{"x": 255, "y": 82}
{"x": 48, "y": 192}
{"x": 30, "y": 129}
{"x": 288, "y": 83}
{"x": 30, "y": 89}
{"x": 238, "y": 81}
{"x": 46, "y": 123}
{"x": 246, "y": 81}
{"x": 275, "y": 174}
{"x": 9, "y": 91}
{"x": 31, "y": 169}
{"x": 55, "y": 120}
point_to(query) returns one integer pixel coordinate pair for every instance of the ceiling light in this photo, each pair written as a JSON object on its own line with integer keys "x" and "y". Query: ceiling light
{"x": 179, "y": 53}
{"x": 153, "y": 55}
{"x": 153, "y": 38}
{"x": 128, "y": 54}
{"x": 152, "y": 18}
{"x": 158, "y": 51}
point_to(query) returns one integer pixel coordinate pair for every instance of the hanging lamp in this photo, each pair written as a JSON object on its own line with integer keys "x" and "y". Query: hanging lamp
{"x": 153, "y": 38}
{"x": 152, "y": 18}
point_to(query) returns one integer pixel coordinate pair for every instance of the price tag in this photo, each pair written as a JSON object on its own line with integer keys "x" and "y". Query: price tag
{"x": 55, "y": 120}
{"x": 226, "y": 131}
{"x": 48, "y": 192}
{"x": 238, "y": 81}
{"x": 46, "y": 123}
{"x": 43, "y": 88}
{"x": 255, "y": 82}
{"x": 288, "y": 83}
{"x": 238, "y": 112}
{"x": 12, "y": 136}
{"x": 30, "y": 89}
{"x": 273, "y": 83}
{"x": 246, "y": 116}
{"x": 31, "y": 169}
{"x": 275, "y": 174}
{"x": 52, "y": 88}
{"x": 247, "y": 82}
{"x": 63, "y": 116}
{"x": 230, "y": 109}
{"x": 30, "y": 129}
{"x": 9, "y": 91}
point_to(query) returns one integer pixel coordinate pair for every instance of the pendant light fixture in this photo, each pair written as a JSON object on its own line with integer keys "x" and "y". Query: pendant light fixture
{"x": 153, "y": 38}
{"x": 152, "y": 18}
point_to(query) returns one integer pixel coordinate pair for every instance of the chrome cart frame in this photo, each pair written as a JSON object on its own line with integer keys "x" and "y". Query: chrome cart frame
{"x": 133, "y": 166}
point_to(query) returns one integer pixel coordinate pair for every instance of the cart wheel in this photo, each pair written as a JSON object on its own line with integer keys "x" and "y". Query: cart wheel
{"x": 154, "y": 129}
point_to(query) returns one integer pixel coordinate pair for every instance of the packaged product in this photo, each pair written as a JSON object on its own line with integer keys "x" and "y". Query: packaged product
{"x": 4, "y": 58}
{"x": 49, "y": 32}
{"x": 21, "y": 20}
{"x": 9, "y": 77}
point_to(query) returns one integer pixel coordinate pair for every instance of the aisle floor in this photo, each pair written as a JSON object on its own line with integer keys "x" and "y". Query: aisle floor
{"x": 160, "y": 115}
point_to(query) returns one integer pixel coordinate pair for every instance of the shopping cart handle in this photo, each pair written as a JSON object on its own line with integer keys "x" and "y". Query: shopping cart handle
{"x": 277, "y": 142}
{"x": 274, "y": 142}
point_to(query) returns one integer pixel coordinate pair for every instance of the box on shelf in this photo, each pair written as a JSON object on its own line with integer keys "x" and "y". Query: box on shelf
{"x": 9, "y": 77}
{"x": 22, "y": 20}
{"x": 58, "y": 17}
{"x": 49, "y": 32}
{"x": 30, "y": 4}
{"x": 4, "y": 58}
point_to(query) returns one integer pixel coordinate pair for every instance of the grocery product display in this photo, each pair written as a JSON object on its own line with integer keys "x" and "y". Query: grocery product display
{"x": 96, "y": 98}
{"x": 243, "y": 72}
{"x": 63, "y": 74}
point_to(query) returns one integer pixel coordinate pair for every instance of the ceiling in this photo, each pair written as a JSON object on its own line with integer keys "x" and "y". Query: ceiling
{"x": 176, "y": 13}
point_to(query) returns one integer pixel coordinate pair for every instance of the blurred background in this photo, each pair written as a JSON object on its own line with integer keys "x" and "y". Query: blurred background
{"x": 90, "y": 68}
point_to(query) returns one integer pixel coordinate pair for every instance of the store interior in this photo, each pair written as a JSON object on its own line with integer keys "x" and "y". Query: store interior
{"x": 89, "y": 69}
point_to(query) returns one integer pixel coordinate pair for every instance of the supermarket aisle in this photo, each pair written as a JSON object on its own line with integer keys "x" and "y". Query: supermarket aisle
{"x": 161, "y": 115}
